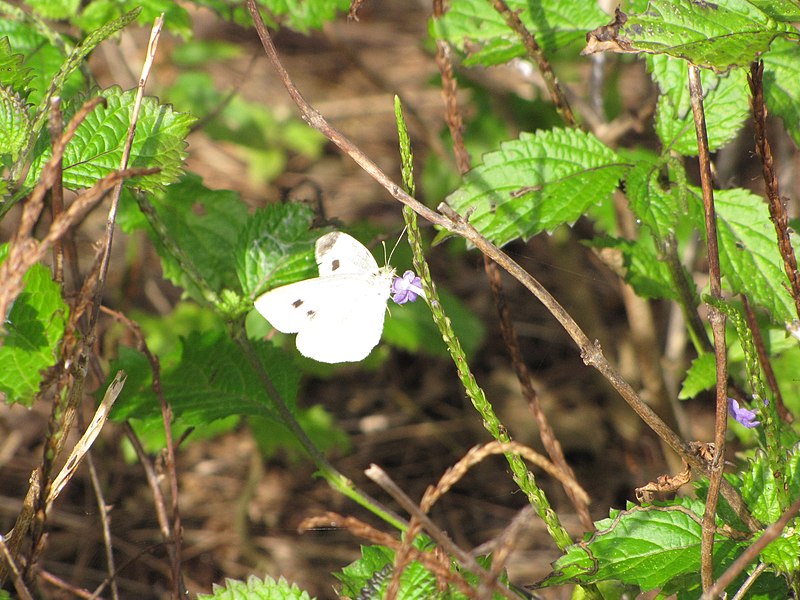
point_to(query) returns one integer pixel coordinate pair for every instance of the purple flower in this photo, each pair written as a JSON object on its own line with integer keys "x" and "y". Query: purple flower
{"x": 745, "y": 416}
{"x": 406, "y": 288}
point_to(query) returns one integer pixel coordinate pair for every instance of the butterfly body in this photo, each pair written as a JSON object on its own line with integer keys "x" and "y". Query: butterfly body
{"x": 338, "y": 316}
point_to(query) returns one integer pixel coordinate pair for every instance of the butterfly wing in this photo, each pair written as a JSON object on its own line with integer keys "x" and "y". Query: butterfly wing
{"x": 291, "y": 307}
{"x": 339, "y": 318}
{"x": 350, "y": 324}
{"x": 338, "y": 253}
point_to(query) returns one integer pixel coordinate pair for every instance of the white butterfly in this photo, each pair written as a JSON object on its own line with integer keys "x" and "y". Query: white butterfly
{"x": 338, "y": 316}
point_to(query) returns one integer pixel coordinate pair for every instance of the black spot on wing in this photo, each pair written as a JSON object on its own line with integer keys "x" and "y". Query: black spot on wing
{"x": 297, "y": 303}
{"x": 335, "y": 264}
{"x": 310, "y": 314}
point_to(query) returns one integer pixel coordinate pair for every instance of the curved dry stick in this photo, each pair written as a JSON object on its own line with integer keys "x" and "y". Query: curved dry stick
{"x": 591, "y": 352}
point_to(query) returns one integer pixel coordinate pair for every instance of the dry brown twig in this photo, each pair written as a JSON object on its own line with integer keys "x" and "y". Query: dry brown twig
{"x": 717, "y": 320}
{"x": 379, "y": 476}
{"x": 454, "y": 474}
{"x": 591, "y": 353}
{"x": 439, "y": 566}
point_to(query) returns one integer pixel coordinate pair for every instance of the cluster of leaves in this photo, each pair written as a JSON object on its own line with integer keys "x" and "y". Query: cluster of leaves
{"x": 222, "y": 256}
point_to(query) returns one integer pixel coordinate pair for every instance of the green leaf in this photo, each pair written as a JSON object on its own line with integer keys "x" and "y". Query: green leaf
{"x": 358, "y": 574}
{"x": 318, "y": 424}
{"x": 205, "y": 224}
{"x": 54, "y": 9}
{"x": 725, "y": 102}
{"x": 34, "y": 328}
{"x": 537, "y": 183}
{"x": 208, "y": 378}
{"x": 276, "y": 247}
{"x": 43, "y": 60}
{"x": 473, "y": 26}
{"x": 784, "y": 552}
{"x": 301, "y": 15}
{"x": 255, "y": 588}
{"x": 370, "y": 576}
{"x": 718, "y": 35}
{"x": 647, "y": 547}
{"x": 96, "y": 149}
{"x": 781, "y": 94}
{"x": 304, "y": 15}
{"x": 13, "y": 73}
{"x": 642, "y": 265}
{"x": 99, "y": 12}
{"x": 780, "y": 10}
{"x": 750, "y": 261}
{"x": 14, "y": 123}
{"x": 701, "y": 376}
{"x": 758, "y": 490}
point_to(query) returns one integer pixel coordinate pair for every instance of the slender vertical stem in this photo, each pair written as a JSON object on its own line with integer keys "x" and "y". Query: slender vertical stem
{"x": 717, "y": 320}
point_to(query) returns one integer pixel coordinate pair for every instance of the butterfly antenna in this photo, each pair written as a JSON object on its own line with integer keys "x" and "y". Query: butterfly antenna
{"x": 396, "y": 244}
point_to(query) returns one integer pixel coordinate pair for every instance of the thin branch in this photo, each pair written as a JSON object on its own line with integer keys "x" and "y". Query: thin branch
{"x": 105, "y": 522}
{"x": 16, "y": 575}
{"x": 717, "y": 320}
{"x": 87, "y": 439}
{"x": 777, "y": 211}
{"x": 379, "y": 476}
{"x": 557, "y": 96}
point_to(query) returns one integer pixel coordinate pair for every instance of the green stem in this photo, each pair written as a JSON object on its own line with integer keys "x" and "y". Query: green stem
{"x": 325, "y": 469}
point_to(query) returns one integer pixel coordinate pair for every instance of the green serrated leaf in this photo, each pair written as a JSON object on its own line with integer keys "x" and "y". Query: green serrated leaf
{"x": 725, "y": 103}
{"x": 784, "y": 552}
{"x": 782, "y": 96}
{"x": 13, "y": 73}
{"x": 54, "y": 9}
{"x": 96, "y": 149}
{"x": 537, "y": 183}
{"x": 266, "y": 589}
{"x": 642, "y": 265}
{"x": 718, "y": 35}
{"x": 205, "y": 225}
{"x": 14, "y": 123}
{"x": 34, "y": 328}
{"x": 276, "y": 247}
{"x": 630, "y": 545}
{"x": 749, "y": 258}
{"x": 209, "y": 378}
{"x": 369, "y": 576}
{"x": 358, "y": 574}
{"x": 42, "y": 62}
{"x": 759, "y": 491}
{"x": 701, "y": 376}
{"x": 475, "y": 27}
{"x": 792, "y": 472}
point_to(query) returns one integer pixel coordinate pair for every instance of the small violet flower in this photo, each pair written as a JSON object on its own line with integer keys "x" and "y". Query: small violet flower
{"x": 744, "y": 416}
{"x": 406, "y": 288}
